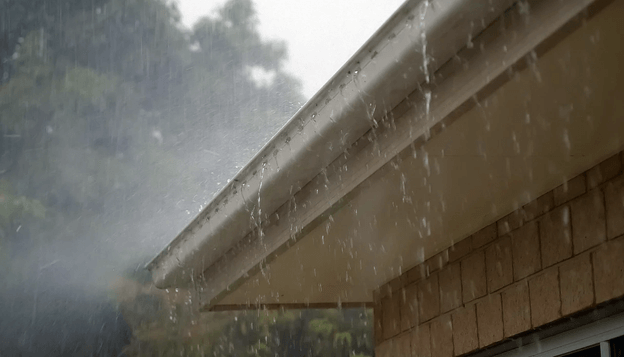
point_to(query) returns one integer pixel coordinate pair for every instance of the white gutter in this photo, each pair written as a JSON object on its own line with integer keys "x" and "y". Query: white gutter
{"x": 377, "y": 78}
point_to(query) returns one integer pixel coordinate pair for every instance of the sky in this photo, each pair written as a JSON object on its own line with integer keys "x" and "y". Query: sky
{"x": 321, "y": 35}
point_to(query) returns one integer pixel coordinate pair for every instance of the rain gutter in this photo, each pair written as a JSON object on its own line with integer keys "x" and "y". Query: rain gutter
{"x": 419, "y": 38}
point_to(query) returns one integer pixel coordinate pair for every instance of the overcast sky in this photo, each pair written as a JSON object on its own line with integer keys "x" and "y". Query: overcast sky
{"x": 321, "y": 35}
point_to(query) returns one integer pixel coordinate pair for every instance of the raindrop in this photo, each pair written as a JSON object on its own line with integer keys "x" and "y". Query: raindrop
{"x": 515, "y": 142}
{"x": 427, "y": 103}
{"x": 566, "y": 139}
{"x": 425, "y": 158}
{"x": 406, "y": 198}
{"x": 523, "y": 8}
{"x": 423, "y": 38}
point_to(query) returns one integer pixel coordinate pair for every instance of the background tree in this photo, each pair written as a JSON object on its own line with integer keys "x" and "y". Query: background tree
{"x": 116, "y": 126}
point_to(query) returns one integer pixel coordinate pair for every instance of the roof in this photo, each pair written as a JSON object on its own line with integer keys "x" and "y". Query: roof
{"x": 385, "y": 104}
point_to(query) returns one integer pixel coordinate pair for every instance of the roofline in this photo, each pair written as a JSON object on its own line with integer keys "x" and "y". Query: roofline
{"x": 459, "y": 87}
{"x": 377, "y": 78}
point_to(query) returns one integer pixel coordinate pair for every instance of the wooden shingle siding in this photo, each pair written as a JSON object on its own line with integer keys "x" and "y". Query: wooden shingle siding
{"x": 556, "y": 256}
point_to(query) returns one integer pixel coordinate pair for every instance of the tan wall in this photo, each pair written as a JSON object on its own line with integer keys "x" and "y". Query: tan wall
{"x": 556, "y": 256}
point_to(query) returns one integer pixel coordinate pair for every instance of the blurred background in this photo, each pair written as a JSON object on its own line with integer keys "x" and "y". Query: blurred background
{"x": 119, "y": 121}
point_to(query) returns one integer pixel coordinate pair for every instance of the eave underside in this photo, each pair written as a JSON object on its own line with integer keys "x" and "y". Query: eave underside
{"x": 524, "y": 133}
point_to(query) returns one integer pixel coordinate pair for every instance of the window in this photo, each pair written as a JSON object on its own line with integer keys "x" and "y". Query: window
{"x": 617, "y": 347}
{"x": 601, "y": 338}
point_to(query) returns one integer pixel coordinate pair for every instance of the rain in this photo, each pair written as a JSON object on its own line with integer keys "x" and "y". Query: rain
{"x": 249, "y": 178}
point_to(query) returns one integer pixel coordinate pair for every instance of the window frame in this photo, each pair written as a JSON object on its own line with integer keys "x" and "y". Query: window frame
{"x": 599, "y": 332}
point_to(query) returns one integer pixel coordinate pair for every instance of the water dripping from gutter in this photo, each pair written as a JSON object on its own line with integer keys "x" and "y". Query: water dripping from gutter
{"x": 259, "y": 216}
{"x": 423, "y": 38}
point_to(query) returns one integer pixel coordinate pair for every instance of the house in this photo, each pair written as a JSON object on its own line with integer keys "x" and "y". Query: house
{"x": 462, "y": 175}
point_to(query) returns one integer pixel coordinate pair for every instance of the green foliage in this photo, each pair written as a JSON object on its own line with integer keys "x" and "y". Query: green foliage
{"x": 116, "y": 124}
{"x": 313, "y": 333}
{"x": 342, "y": 338}
{"x": 172, "y": 325}
{"x": 322, "y": 327}
{"x": 93, "y": 96}
{"x": 15, "y": 208}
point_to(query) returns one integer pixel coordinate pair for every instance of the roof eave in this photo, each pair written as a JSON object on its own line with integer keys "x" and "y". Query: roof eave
{"x": 376, "y": 79}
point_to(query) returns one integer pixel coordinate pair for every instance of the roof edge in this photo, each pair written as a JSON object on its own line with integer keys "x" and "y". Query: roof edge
{"x": 376, "y": 79}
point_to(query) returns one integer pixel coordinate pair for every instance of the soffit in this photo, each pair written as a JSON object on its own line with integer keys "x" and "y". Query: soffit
{"x": 551, "y": 121}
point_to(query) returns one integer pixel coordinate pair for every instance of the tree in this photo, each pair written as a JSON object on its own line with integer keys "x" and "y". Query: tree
{"x": 116, "y": 92}
{"x": 115, "y": 121}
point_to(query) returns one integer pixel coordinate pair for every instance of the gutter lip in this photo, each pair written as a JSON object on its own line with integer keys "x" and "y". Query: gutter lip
{"x": 332, "y": 84}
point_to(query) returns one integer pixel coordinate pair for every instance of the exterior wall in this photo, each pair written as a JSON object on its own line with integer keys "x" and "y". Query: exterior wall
{"x": 556, "y": 256}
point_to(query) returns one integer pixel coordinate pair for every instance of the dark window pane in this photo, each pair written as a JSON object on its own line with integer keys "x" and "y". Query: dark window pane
{"x": 617, "y": 347}
{"x": 588, "y": 352}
